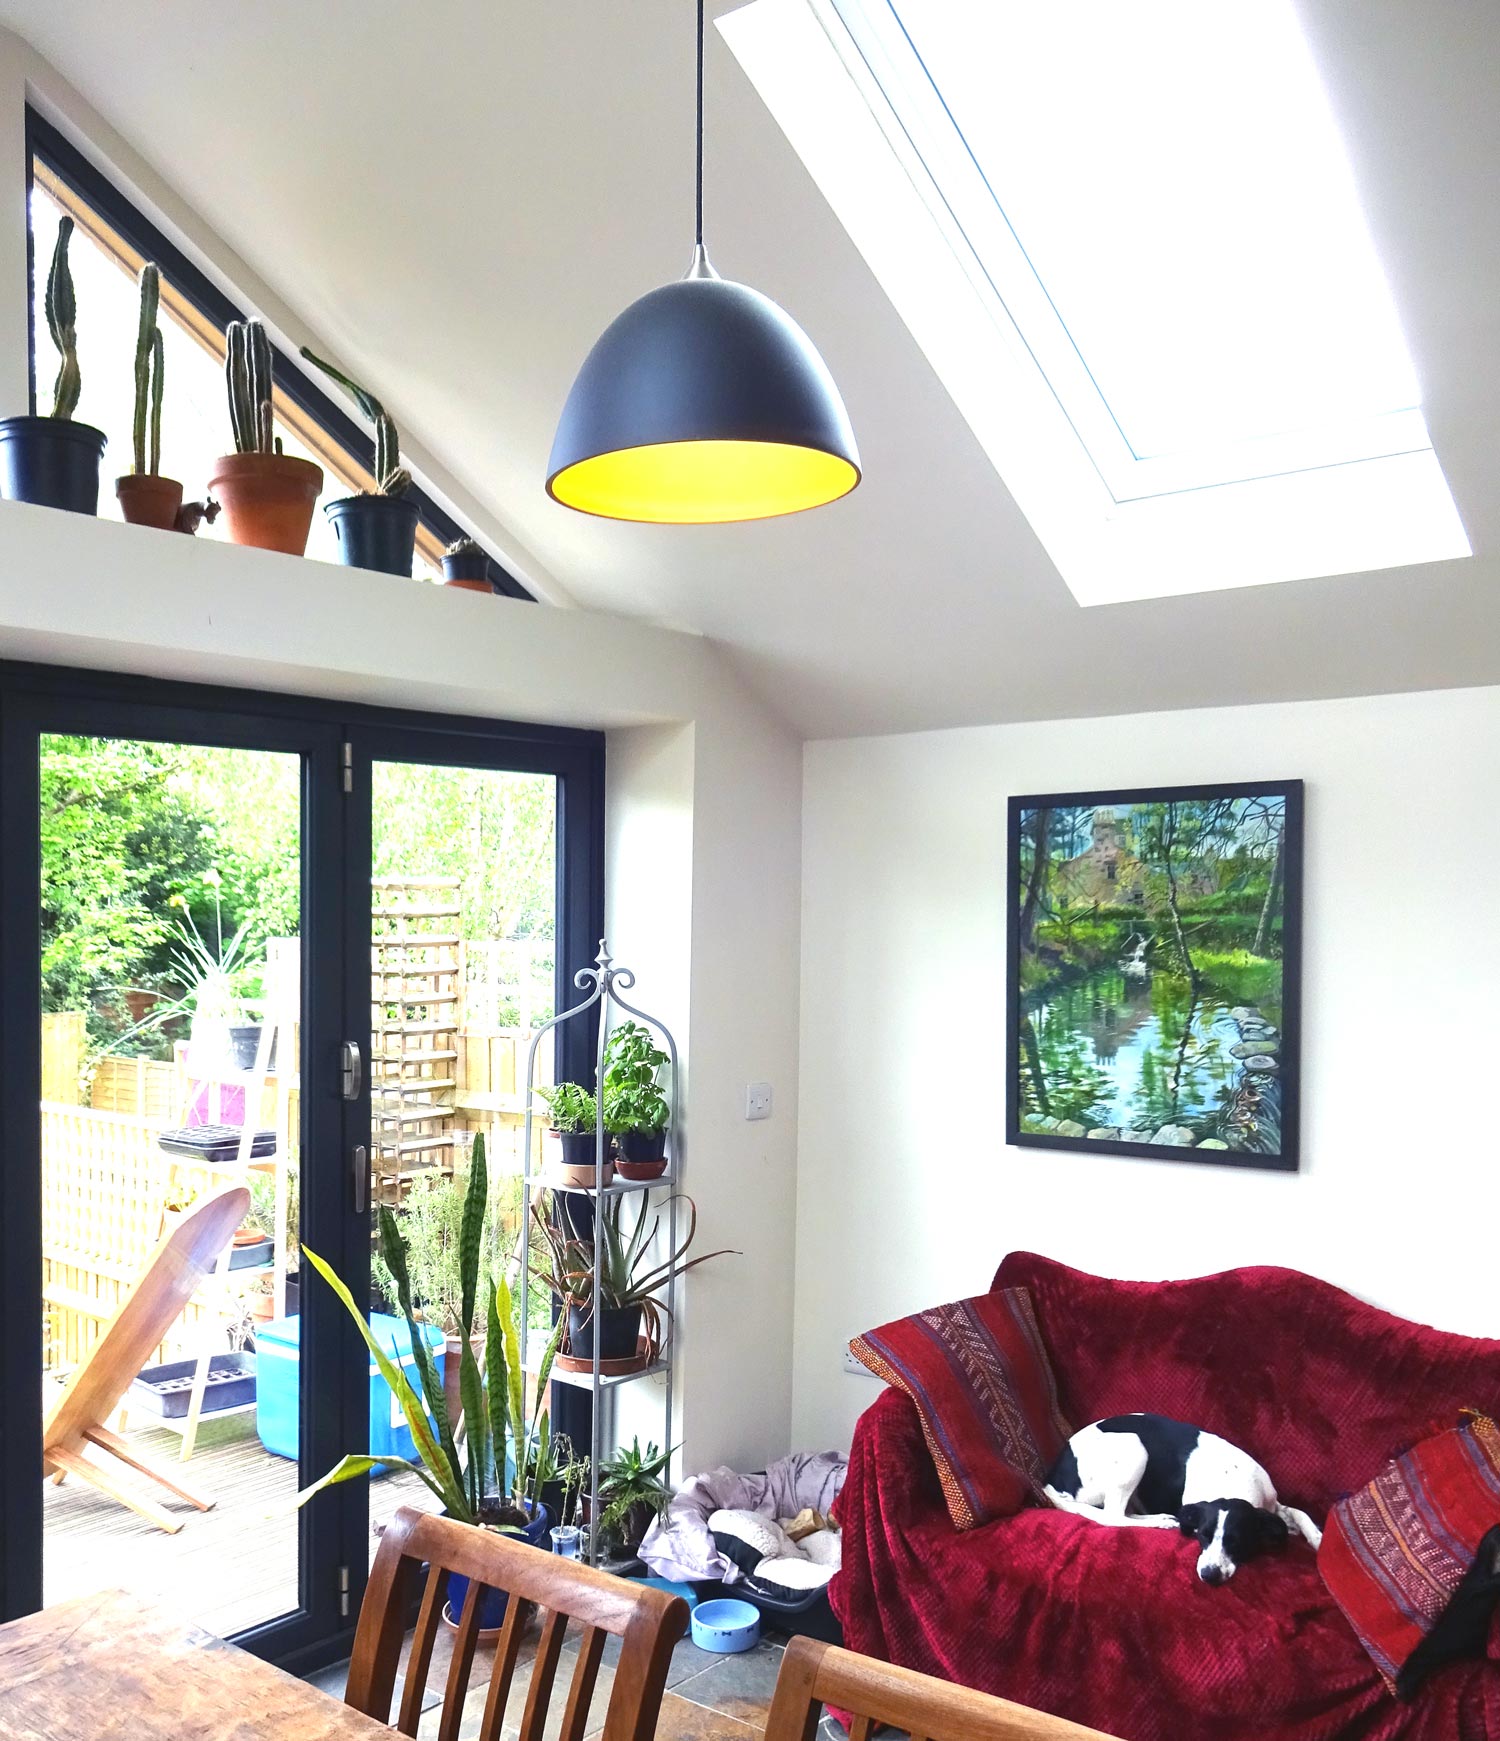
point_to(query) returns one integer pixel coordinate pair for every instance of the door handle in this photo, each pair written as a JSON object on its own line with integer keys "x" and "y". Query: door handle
{"x": 361, "y": 1163}
{"x": 353, "y": 1069}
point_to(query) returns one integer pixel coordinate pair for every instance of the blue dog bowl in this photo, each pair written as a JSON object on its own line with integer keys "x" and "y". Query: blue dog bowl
{"x": 726, "y": 1627}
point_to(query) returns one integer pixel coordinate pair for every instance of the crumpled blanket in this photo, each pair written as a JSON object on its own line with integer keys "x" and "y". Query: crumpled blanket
{"x": 680, "y": 1544}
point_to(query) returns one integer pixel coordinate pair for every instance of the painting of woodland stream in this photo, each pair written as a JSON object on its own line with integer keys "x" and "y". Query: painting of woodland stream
{"x": 1154, "y": 972}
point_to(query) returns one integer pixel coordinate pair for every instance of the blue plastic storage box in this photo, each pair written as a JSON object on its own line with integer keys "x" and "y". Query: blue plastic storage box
{"x": 278, "y": 1365}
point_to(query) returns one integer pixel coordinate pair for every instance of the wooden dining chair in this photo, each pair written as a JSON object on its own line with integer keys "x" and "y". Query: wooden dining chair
{"x": 880, "y": 1694}
{"x": 647, "y": 1621}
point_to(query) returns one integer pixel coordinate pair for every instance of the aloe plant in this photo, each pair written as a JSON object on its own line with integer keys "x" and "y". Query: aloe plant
{"x": 391, "y": 477}
{"x": 475, "y": 1480}
{"x": 62, "y": 323}
{"x": 150, "y": 366}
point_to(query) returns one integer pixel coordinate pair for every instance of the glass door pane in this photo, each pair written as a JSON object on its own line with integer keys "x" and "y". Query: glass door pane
{"x": 171, "y": 921}
{"x": 463, "y": 942}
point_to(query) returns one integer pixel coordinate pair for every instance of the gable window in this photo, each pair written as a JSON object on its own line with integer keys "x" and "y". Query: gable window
{"x": 1129, "y": 241}
{"x": 111, "y": 242}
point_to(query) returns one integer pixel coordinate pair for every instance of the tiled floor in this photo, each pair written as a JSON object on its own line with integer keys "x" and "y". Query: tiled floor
{"x": 708, "y": 1698}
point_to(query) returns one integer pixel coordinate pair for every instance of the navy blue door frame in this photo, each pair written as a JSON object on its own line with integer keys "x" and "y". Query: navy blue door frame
{"x": 37, "y": 700}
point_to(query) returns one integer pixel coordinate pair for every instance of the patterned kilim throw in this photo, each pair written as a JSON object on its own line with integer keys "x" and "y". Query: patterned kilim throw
{"x": 1408, "y": 1558}
{"x": 982, "y": 1383}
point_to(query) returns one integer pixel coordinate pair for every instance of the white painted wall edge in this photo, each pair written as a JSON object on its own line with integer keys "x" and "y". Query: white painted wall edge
{"x": 98, "y": 593}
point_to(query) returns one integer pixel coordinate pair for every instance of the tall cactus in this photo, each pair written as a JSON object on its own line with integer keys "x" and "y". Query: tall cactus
{"x": 62, "y": 323}
{"x": 150, "y": 363}
{"x": 248, "y": 372}
{"x": 391, "y": 477}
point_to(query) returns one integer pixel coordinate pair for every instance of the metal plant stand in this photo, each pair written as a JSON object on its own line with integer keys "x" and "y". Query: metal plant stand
{"x": 603, "y": 982}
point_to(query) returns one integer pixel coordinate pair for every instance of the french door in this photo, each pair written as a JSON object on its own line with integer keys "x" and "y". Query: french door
{"x": 263, "y": 964}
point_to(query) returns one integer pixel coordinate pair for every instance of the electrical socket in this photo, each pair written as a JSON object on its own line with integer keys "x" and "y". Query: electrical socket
{"x": 757, "y": 1100}
{"x": 855, "y": 1366}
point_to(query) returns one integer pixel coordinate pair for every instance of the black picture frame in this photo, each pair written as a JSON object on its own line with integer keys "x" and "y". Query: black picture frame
{"x": 1288, "y": 1036}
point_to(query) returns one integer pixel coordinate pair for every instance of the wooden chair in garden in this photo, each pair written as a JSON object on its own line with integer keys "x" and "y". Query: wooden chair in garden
{"x": 648, "y": 1622}
{"x": 75, "y": 1425}
{"x": 880, "y": 1694}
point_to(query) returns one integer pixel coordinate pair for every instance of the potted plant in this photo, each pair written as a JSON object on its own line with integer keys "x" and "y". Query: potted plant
{"x": 632, "y": 1495}
{"x": 573, "y": 1117}
{"x": 635, "y": 1109}
{"x": 466, "y": 566}
{"x": 52, "y": 460}
{"x": 632, "y": 1268}
{"x": 430, "y": 1221}
{"x": 146, "y": 497}
{"x": 490, "y": 1476}
{"x": 217, "y": 1038}
{"x": 267, "y": 495}
{"x": 377, "y": 528}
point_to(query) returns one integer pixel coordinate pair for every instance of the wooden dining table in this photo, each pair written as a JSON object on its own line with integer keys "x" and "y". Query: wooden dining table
{"x": 113, "y": 1668}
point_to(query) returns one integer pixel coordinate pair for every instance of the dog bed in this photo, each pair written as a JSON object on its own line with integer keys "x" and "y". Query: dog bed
{"x": 764, "y": 1535}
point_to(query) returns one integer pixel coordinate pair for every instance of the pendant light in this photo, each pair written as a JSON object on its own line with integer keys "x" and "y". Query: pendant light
{"x": 703, "y": 402}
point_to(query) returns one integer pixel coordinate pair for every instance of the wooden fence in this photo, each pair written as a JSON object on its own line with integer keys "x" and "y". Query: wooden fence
{"x": 104, "y": 1185}
{"x": 147, "y": 1087}
{"x": 491, "y": 1092}
{"x": 64, "y": 1040}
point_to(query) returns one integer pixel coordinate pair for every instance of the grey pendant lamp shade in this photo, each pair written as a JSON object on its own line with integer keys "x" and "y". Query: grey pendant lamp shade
{"x": 703, "y": 402}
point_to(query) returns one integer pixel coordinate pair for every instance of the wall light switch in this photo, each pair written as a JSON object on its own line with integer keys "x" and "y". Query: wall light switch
{"x": 857, "y": 1367}
{"x": 758, "y": 1100}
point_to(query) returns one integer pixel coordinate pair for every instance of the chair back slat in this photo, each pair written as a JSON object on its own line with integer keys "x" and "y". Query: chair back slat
{"x": 517, "y": 1618}
{"x": 543, "y": 1674}
{"x": 877, "y": 1693}
{"x": 460, "y": 1663}
{"x": 420, "y": 1659}
{"x": 647, "y": 1621}
{"x": 581, "y": 1688}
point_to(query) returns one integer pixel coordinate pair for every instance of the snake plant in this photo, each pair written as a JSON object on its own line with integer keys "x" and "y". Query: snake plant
{"x": 466, "y": 1467}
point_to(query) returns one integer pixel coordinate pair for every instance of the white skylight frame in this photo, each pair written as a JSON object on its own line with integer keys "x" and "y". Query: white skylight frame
{"x": 1362, "y": 493}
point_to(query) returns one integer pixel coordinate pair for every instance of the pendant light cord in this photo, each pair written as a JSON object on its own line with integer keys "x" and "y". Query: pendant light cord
{"x": 698, "y": 185}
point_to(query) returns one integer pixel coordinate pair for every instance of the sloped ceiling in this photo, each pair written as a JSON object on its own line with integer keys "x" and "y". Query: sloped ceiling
{"x": 458, "y": 197}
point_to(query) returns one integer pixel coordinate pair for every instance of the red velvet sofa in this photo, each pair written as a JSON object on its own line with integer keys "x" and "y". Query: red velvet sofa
{"x": 1110, "y": 1627}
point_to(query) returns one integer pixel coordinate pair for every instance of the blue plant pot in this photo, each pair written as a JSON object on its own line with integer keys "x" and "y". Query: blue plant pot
{"x": 492, "y": 1603}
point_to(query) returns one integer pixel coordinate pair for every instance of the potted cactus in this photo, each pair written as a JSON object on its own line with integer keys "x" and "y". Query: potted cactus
{"x": 267, "y": 495}
{"x": 466, "y": 566}
{"x": 53, "y": 460}
{"x": 146, "y": 497}
{"x": 377, "y": 528}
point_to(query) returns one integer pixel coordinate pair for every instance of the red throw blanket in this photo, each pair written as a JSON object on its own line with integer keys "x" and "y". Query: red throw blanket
{"x": 1110, "y": 1627}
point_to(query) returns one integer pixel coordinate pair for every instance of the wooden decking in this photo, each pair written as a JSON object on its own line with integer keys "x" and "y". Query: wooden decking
{"x": 229, "y": 1568}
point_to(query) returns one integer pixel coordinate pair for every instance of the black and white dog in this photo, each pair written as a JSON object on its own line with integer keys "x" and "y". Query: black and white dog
{"x": 1149, "y": 1472}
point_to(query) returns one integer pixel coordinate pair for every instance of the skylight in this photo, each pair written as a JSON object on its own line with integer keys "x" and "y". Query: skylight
{"x": 1129, "y": 240}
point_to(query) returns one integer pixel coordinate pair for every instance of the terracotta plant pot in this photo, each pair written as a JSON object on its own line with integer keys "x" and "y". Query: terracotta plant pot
{"x": 267, "y": 498}
{"x": 469, "y": 572}
{"x": 638, "y": 1171}
{"x": 149, "y": 500}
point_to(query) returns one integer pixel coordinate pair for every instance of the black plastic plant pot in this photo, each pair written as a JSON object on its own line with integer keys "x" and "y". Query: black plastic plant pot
{"x": 378, "y": 532}
{"x": 642, "y": 1148}
{"x": 244, "y": 1038}
{"x": 620, "y": 1333}
{"x": 579, "y": 1148}
{"x": 51, "y": 461}
{"x": 469, "y": 570}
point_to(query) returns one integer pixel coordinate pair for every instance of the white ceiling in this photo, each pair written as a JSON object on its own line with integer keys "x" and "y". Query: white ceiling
{"x": 458, "y": 197}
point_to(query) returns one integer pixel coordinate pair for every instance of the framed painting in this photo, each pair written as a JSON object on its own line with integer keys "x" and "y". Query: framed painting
{"x": 1154, "y": 972}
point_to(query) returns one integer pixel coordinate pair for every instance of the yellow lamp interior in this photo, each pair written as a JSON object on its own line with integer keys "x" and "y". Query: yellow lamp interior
{"x": 692, "y": 483}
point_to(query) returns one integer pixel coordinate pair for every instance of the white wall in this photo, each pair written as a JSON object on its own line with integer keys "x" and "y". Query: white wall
{"x": 907, "y": 1194}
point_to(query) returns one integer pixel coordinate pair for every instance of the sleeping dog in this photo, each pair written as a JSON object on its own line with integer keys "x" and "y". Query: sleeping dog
{"x": 1148, "y": 1472}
